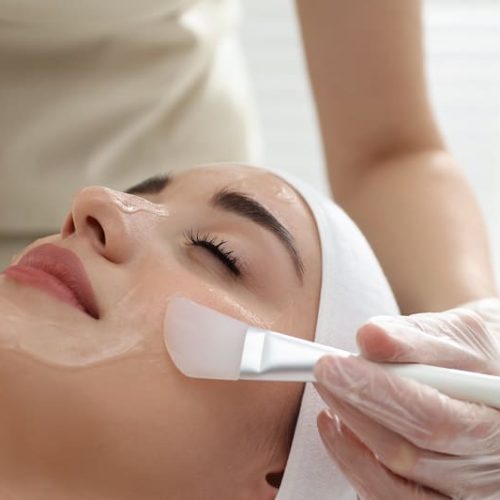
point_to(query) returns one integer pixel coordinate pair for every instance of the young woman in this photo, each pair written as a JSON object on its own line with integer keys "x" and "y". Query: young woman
{"x": 92, "y": 406}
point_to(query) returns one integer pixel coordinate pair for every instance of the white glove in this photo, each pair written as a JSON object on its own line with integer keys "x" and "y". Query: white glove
{"x": 397, "y": 439}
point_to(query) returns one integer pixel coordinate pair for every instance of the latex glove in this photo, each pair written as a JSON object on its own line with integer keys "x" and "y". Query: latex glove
{"x": 397, "y": 439}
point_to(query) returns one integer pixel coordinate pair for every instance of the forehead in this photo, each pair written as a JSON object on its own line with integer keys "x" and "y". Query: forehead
{"x": 271, "y": 191}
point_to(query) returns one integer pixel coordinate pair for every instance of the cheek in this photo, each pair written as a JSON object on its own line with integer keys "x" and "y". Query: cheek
{"x": 143, "y": 304}
{"x": 143, "y": 301}
{"x": 179, "y": 426}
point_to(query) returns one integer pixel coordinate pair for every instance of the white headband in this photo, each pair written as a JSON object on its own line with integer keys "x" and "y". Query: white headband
{"x": 353, "y": 289}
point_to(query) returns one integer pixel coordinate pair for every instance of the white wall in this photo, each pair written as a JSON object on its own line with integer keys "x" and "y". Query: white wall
{"x": 463, "y": 62}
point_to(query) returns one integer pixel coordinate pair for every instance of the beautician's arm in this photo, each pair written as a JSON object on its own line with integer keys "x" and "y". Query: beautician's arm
{"x": 387, "y": 162}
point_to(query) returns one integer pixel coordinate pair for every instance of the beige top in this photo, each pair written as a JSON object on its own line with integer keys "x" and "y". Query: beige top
{"x": 110, "y": 92}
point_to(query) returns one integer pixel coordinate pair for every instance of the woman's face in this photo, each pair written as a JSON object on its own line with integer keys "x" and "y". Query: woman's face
{"x": 94, "y": 404}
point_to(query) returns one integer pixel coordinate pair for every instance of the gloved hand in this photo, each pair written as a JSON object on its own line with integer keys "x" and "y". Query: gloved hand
{"x": 397, "y": 439}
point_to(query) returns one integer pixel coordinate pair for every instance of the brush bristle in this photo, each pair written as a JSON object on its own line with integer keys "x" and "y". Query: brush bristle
{"x": 203, "y": 343}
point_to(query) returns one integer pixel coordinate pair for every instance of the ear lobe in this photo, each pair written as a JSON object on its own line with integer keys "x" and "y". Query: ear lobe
{"x": 274, "y": 479}
{"x": 267, "y": 487}
{"x": 270, "y": 485}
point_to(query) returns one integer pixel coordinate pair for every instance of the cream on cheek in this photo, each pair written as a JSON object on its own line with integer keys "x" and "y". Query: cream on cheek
{"x": 60, "y": 342}
{"x": 133, "y": 328}
{"x": 229, "y": 305}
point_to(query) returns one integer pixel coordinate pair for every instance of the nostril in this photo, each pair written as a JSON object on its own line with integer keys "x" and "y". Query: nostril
{"x": 97, "y": 228}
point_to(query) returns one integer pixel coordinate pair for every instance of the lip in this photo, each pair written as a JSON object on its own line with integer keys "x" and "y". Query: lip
{"x": 59, "y": 272}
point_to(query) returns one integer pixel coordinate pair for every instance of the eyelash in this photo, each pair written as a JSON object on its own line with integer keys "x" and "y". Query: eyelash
{"x": 217, "y": 247}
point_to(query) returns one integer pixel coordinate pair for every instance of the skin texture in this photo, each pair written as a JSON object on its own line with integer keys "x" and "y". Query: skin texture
{"x": 133, "y": 426}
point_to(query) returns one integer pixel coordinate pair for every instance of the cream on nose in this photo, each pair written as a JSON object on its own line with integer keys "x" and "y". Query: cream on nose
{"x": 131, "y": 204}
{"x": 115, "y": 223}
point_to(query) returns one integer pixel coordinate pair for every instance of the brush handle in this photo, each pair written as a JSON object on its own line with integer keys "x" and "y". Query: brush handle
{"x": 459, "y": 384}
{"x": 274, "y": 356}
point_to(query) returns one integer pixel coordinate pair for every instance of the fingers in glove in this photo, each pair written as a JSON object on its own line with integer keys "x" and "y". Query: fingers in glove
{"x": 460, "y": 340}
{"x": 422, "y": 415}
{"x": 489, "y": 311}
{"x": 391, "y": 449}
{"x": 458, "y": 477}
{"x": 367, "y": 475}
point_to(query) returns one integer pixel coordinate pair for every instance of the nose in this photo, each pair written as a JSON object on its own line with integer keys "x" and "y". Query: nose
{"x": 96, "y": 216}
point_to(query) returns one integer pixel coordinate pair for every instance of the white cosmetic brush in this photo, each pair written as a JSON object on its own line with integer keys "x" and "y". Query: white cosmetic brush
{"x": 204, "y": 343}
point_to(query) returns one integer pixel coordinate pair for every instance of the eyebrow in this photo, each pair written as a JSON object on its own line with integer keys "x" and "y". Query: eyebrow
{"x": 152, "y": 185}
{"x": 245, "y": 206}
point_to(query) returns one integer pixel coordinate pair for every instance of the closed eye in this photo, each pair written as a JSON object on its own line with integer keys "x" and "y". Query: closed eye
{"x": 217, "y": 247}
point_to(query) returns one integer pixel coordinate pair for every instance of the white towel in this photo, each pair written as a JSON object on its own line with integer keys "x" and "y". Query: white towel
{"x": 353, "y": 289}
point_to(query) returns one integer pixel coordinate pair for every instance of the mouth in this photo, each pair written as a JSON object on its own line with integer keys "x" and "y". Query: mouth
{"x": 60, "y": 273}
